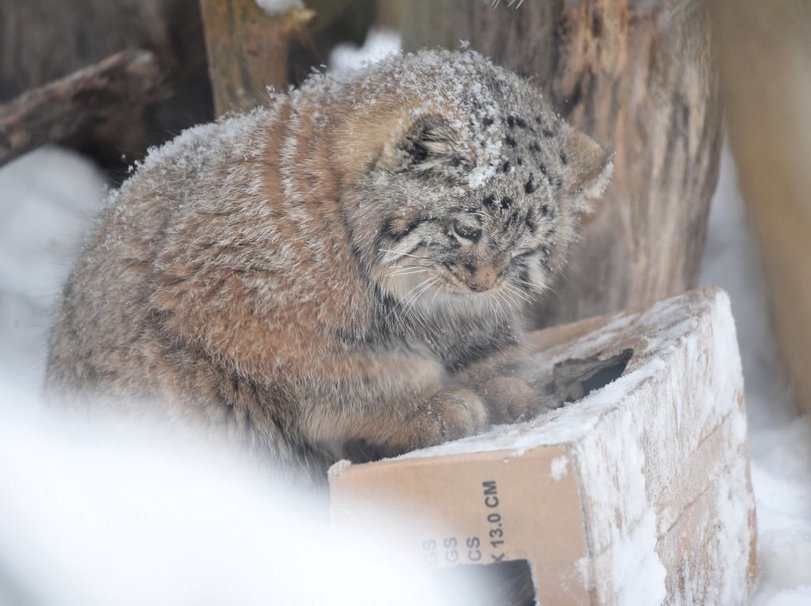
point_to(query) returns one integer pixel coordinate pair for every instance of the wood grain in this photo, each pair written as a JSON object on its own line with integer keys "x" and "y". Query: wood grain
{"x": 248, "y": 50}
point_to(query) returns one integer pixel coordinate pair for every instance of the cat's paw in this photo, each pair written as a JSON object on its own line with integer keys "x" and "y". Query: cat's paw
{"x": 508, "y": 399}
{"x": 360, "y": 450}
{"x": 449, "y": 415}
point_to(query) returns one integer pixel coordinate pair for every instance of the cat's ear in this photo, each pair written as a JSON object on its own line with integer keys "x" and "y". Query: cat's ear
{"x": 591, "y": 168}
{"x": 430, "y": 146}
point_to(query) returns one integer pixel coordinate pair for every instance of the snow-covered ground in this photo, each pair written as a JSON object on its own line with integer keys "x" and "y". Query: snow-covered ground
{"x": 143, "y": 498}
{"x": 780, "y": 440}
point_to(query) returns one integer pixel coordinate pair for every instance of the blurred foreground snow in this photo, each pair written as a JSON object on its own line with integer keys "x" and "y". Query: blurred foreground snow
{"x": 94, "y": 515}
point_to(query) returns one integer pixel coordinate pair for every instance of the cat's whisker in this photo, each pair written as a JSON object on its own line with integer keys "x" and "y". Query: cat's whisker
{"x": 530, "y": 285}
{"x": 396, "y": 267}
{"x": 509, "y": 297}
{"x": 517, "y": 300}
{"x": 516, "y": 296}
{"x": 492, "y": 301}
{"x": 517, "y": 292}
{"x": 428, "y": 283}
{"x": 436, "y": 292}
{"x": 397, "y": 254}
{"x": 423, "y": 286}
{"x": 404, "y": 254}
{"x": 406, "y": 271}
{"x": 423, "y": 320}
{"x": 497, "y": 300}
{"x": 402, "y": 301}
{"x": 412, "y": 265}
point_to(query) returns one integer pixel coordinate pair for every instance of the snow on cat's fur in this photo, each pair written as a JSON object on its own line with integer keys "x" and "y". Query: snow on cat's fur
{"x": 324, "y": 274}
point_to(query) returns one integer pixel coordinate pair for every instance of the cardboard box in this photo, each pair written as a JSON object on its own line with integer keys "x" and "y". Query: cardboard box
{"x": 639, "y": 493}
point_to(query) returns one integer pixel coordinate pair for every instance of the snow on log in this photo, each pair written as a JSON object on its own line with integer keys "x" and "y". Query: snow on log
{"x": 638, "y": 493}
{"x": 90, "y": 96}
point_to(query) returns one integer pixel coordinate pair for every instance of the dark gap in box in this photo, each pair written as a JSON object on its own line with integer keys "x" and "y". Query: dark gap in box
{"x": 575, "y": 378}
{"x": 497, "y": 584}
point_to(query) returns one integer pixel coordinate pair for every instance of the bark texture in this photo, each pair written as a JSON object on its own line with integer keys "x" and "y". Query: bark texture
{"x": 118, "y": 85}
{"x": 248, "y": 50}
{"x": 637, "y": 76}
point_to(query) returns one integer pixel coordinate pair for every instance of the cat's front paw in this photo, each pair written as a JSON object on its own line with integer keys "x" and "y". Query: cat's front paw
{"x": 449, "y": 415}
{"x": 508, "y": 399}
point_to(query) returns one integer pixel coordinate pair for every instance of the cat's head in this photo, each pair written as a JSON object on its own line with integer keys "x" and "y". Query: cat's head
{"x": 474, "y": 193}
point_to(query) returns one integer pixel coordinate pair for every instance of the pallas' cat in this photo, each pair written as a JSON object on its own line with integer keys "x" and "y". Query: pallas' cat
{"x": 323, "y": 274}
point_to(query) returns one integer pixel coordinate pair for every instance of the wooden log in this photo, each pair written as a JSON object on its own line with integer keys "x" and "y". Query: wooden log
{"x": 637, "y": 76}
{"x": 639, "y": 493}
{"x": 85, "y": 98}
{"x": 763, "y": 51}
{"x": 247, "y": 51}
{"x": 84, "y": 33}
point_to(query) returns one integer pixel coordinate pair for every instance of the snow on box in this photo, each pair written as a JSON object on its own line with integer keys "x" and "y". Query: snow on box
{"x": 639, "y": 493}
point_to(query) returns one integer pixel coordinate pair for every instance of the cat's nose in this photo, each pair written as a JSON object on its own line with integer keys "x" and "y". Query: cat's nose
{"x": 482, "y": 279}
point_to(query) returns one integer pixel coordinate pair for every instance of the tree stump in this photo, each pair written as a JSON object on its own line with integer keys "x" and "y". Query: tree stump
{"x": 247, "y": 51}
{"x": 637, "y": 76}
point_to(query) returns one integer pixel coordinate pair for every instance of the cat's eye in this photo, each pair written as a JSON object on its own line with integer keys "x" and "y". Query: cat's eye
{"x": 466, "y": 232}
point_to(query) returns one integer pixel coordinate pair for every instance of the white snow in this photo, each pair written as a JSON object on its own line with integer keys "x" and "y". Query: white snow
{"x": 278, "y": 7}
{"x": 47, "y": 200}
{"x": 52, "y": 479}
{"x": 779, "y": 439}
{"x": 559, "y": 467}
{"x": 380, "y": 43}
{"x": 96, "y": 514}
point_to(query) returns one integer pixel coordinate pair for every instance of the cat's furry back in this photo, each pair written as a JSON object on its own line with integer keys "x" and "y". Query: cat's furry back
{"x": 323, "y": 271}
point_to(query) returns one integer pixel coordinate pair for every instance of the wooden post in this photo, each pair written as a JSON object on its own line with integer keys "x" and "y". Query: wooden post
{"x": 247, "y": 51}
{"x": 764, "y": 50}
{"x": 59, "y": 110}
{"x": 637, "y": 76}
